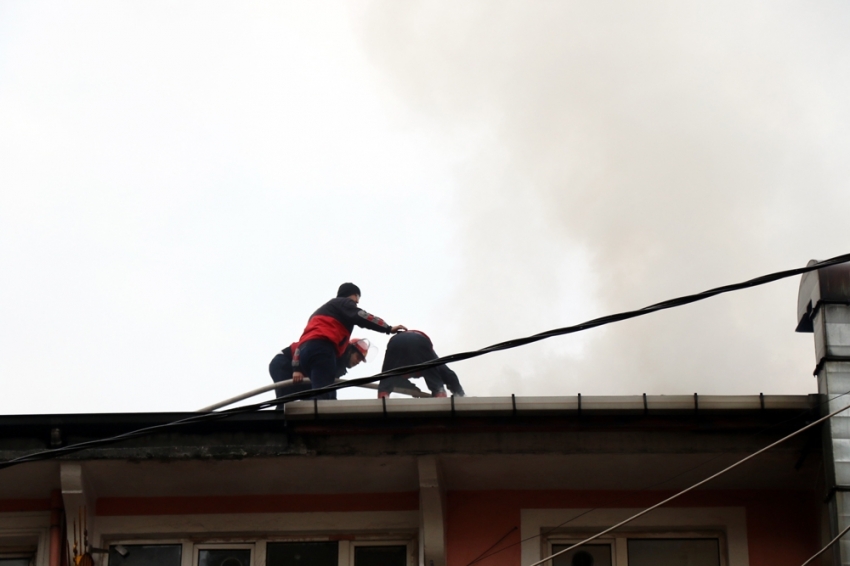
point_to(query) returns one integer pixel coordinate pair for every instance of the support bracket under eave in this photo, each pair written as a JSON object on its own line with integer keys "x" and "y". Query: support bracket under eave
{"x": 79, "y": 500}
{"x": 432, "y": 513}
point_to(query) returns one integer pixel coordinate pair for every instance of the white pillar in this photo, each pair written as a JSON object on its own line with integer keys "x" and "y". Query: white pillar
{"x": 77, "y": 498}
{"x": 432, "y": 513}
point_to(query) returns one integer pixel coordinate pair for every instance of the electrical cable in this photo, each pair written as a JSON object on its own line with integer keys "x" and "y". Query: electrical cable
{"x": 486, "y": 554}
{"x": 593, "y": 323}
{"x": 587, "y": 325}
{"x": 825, "y": 548}
{"x": 494, "y": 545}
{"x": 693, "y": 487}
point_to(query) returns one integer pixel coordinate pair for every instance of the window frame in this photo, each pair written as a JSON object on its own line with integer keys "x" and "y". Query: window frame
{"x": 295, "y": 539}
{"x": 730, "y": 522}
{"x": 251, "y": 546}
{"x": 190, "y": 552}
{"x": 571, "y": 537}
{"x": 186, "y": 545}
{"x": 619, "y": 540}
{"x": 411, "y": 556}
{"x": 26, "y": 535}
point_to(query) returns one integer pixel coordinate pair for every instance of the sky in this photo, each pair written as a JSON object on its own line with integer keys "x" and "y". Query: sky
{"x": 182, "y": 185}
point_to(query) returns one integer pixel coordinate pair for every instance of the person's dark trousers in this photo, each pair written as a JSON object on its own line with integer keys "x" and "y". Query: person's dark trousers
{"x": 280, "y": 368}
{"x": 408, "y": 348}
{"x": 432, "y": 380}
{"x": 318, "y": 362}
{"x": 449, "y": 377}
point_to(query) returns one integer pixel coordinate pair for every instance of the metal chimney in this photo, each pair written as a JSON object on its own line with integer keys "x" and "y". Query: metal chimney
{"x": 823, "y": 307}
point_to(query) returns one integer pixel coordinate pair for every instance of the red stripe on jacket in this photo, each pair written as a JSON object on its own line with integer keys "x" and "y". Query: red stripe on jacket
{"x": 327, "y": 328}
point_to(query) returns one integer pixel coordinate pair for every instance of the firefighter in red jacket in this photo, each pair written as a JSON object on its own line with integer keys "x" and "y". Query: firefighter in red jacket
{"x": 327, "y": 334}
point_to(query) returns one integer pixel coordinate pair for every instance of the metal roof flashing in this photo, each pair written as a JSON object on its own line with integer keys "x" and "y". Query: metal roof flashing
{"x": 544, "y": 406}
{"x": 442, "y": 407}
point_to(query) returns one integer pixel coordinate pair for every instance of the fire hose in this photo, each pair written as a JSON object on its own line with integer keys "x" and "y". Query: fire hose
{"x": 270, "y": 387}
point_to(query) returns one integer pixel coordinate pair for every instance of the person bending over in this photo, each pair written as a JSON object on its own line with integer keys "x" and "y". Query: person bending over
{"x": 280, "y": 368}
{"x": 414, "y": 347}
{"x": 326, "y": 337}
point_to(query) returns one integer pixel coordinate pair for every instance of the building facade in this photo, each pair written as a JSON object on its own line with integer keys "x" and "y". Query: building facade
{"x": 436, "y": 482}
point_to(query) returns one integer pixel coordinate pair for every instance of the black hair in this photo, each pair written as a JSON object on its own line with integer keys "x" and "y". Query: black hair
{"x": 348, "y": 289}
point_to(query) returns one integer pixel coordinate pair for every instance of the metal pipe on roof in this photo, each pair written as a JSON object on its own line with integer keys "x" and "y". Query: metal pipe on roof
{"x": 266, "y": 388}
{"x": 823, "y": 308}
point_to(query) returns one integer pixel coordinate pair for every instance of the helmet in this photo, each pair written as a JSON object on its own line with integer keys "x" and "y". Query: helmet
{"x": 362, "y": 345}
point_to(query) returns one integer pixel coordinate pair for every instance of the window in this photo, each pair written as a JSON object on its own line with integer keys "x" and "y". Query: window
{"x": 374, "y": 555}
{"x": 365, "y": 551}
{"x": 675, "y": 552}
{"x": 15, "y": 561}
{"x": 641, "y": 549}
{"x": 223, "y": 554}
{"x": 145, "y": 554}
{"x": 696, "y": 536}
{"x": 587, "y": 555}
{"x": 302, "y": 553}
{"x": 224, "y": 557}
{"x": 338, "y": 553}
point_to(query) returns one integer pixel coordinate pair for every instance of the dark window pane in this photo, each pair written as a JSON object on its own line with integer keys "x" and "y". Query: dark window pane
{"x": 380, "y": 555}
{"x": 224, "y": 557}
{"x": 302, "y": 553}
{"x": 15, "y": 561}
{"x": 674, "y": 552}
{"x": 585, "y": 555}
{"x": 145, "y": 554}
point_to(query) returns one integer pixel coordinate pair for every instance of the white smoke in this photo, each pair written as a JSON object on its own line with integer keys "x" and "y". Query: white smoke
{"x": 624, "y": 153}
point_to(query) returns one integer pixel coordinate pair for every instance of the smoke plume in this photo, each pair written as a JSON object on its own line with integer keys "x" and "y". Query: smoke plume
{"x": 617, "y": 154}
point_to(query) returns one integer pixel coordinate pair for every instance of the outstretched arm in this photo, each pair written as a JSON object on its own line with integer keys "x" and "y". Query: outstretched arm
{"x": 363, "y": 319}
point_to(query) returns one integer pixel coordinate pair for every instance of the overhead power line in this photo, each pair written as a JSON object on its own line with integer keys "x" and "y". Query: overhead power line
{"x": 825, "y": 548}
{"x": 593, "y": 323}
{"x": 693, "y": 487}
{"x": 491, "y": 552}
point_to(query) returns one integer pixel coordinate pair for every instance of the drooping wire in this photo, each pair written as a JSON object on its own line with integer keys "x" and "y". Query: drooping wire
{"x": 829, "y": 544}
{"x": 692, "y": 487}
{"x": 487, "y": 553}
{"x": 593, "y": 323}
{"x": 494, "y": 545}
{"x": 515, "y": 343}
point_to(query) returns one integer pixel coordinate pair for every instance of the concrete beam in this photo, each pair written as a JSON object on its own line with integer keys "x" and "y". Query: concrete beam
{"x": 432, "y": 513}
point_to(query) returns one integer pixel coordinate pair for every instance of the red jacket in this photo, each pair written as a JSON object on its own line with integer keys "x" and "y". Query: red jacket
{"x": 334, "y": 322}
